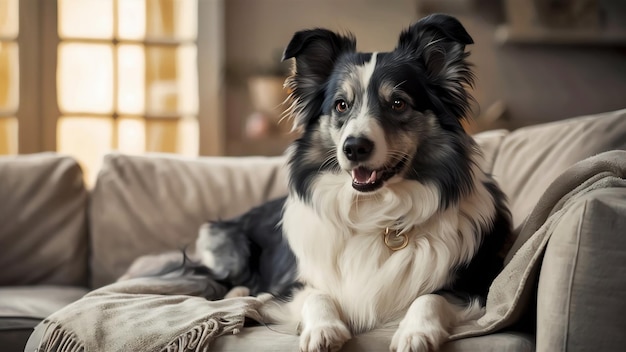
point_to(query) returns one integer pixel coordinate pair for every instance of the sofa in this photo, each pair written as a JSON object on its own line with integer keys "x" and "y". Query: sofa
{"x": 60, "y": 240}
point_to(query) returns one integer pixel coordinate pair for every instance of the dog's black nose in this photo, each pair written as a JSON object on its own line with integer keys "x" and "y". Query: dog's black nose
{"x": 357, "y": 148}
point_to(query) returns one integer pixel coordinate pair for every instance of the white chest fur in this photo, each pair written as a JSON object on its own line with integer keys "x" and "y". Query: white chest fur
{"x": 337, "y": 238}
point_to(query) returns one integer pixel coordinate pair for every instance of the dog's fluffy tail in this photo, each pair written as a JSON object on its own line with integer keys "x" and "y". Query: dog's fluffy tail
{"x": 279, "y": 314}
{"x": 468, "y": 312}
{"x": 276, "y": 311}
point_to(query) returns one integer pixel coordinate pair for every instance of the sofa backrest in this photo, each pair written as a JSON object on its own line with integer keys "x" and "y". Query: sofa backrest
{"x": 151, "y": 204}
{"x": 43, "y": 228}
{"x": 530, "y": 158}
{"x": 156, "y": 203}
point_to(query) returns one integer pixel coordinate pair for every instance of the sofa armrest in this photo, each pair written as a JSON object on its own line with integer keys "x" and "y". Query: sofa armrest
{"x": 582, "y": 283}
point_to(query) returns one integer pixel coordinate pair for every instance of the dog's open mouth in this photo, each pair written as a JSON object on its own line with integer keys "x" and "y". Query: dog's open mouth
{"x": 367, "y": 180}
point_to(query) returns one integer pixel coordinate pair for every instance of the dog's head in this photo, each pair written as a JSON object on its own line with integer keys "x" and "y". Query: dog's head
{"x": 378, "y": 117}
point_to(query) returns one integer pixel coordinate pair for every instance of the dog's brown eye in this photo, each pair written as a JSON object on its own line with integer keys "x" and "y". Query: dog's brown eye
{"x": 341, "y": 106}
{"x": 398, "y": 105}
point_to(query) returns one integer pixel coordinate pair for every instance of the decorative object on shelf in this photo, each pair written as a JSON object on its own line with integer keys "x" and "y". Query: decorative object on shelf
{"x": 258, "y": 125}
{"x": 572, "y": 22}
{"x": 568, "y": 13}
{"x": 267, "y": 96}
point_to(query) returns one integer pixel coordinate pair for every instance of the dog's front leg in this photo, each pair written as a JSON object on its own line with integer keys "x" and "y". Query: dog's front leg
{"x": 427, "y": 323}
{"x": 321, "y": 327}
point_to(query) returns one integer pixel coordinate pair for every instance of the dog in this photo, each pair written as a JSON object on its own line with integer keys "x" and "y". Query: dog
{"x": 248, "y": 254}
{"x": 390, "y": 218}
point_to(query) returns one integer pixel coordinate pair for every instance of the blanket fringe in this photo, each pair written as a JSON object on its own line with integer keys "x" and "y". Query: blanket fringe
{"x": 198, "y": 338}
{"x": 57, "y": 339}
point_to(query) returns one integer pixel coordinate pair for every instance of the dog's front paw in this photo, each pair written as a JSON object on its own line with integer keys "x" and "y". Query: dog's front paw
{"x": 238, "y": 291}
{"x": 415, "y": 340}
{"x": 324, "y": 336}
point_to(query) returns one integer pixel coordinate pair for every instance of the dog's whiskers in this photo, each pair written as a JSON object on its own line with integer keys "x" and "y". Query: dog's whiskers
{"x": 329, "y": 159}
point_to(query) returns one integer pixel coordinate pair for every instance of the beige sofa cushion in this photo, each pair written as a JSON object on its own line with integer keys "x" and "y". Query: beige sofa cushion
{"x": 489, "y": 143}
{"x": 530, "y": 158}
{"x": 152, "y": 204}
{"x": 36, "y": 302}
{"x": 43, "y": 231}
{"x": 583, "y": 277}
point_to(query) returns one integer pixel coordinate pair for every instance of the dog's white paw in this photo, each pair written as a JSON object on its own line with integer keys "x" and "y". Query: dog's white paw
{"x": 326, "y": 336}
{"x": 238, "y": 291}
{"x": 414, "y": 340}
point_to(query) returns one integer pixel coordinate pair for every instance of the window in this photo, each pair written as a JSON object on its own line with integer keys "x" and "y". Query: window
{"x": 84, "y": 77}
{"x": 126, "y": 78}
{"x": 9, "y": 75}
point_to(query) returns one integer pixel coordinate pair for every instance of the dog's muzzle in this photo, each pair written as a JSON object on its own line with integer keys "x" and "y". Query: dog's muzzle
{"x": 358, "y": 150}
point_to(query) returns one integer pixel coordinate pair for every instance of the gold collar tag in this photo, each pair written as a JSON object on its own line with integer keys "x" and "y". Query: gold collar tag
{"x": 395, "y": 241}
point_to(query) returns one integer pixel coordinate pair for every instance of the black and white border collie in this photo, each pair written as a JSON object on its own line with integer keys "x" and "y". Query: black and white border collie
{"x": 389, "y": 215}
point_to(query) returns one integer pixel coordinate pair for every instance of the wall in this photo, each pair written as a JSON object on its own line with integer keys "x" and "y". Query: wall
{"x": 537, "y": 83}
{"x": 543, "y": 82}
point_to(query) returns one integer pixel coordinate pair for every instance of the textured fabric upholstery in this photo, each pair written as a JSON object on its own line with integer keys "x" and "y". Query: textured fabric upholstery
{"x": 43, "y": 230}
{"x": 489, "y": 143}
{"x": 530, "y": 158}
{"x": 152, "y": 204}
{"x": 23, "y": 307}
{"x": 582, "y": 283}
{"x": 263, "y": 339}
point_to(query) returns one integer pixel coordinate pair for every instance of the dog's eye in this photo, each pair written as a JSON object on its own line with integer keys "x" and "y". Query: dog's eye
{"x": 398, "y": 105}
{"x": 341, "y": 106}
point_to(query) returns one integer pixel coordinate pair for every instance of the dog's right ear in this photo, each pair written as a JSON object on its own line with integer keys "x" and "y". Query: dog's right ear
{"x": 315, "y": 52}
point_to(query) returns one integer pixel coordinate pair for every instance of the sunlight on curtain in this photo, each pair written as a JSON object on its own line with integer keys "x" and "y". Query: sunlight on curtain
{"x": 131, "y": 19}
{"x": 9, "y": 25}
{"x": 172, "y": 19}
{"x": 131, "y": 73}
{"x": 85, "y": 78}
{"x": 171, "y": 80}
{"x": 180, "y": 136}
{"x": 86, "y": 137}
{"x": 131, "y": 136}
{"x": 127, "y": 70}
{"x": 8, "y": 135}
{"x": 86, "y": 18}
{"x": 188, "y": 138}
{"x": 9, "y": 76}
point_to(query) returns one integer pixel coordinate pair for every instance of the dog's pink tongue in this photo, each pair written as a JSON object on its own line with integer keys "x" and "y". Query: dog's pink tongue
{"x": 363, "y": 175}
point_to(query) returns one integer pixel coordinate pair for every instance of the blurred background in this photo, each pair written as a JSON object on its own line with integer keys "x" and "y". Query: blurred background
{"x": 204, "y": 77}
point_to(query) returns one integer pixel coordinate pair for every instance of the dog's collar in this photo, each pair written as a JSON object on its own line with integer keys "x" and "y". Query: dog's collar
{"x": 395, "y": 240}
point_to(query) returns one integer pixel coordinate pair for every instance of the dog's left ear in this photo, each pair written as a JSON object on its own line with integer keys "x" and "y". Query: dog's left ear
{"x": 439, "y": 41}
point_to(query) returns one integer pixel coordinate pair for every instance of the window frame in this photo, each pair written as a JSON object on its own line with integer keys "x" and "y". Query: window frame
{"x": 38, "y": 110}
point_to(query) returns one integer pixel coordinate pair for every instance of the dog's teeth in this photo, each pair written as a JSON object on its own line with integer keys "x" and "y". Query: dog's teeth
{"x": 372, "y": 177}
{"x": 363, "y": 176}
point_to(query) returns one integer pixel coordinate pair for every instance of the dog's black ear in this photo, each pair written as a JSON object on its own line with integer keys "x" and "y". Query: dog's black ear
{"x": 439, "y": 41}
{"x": 315, "y": 52}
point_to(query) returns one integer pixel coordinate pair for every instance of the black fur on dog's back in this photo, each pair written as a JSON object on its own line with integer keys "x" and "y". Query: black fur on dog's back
{"x": 257, "y": 255}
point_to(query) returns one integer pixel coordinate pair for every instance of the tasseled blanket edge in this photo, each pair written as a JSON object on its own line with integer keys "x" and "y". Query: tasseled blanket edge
{"x": 58, "y": 339}
{"x": 198, "y": 338}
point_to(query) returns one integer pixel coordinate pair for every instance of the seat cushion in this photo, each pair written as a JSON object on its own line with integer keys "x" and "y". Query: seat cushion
{"x": 36, "y": 301}
{"x": 43, "y": 228}
{"x": 23, "y": 307}
{"x": 261, "y": 338}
